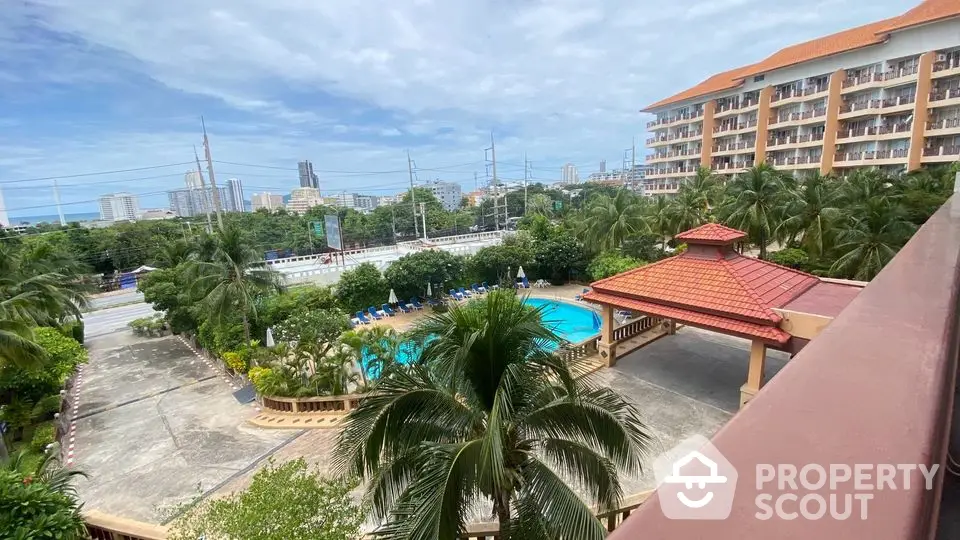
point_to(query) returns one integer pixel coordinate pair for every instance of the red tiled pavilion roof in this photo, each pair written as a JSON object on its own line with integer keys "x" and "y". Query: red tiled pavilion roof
{"x": 711, "y": 233}
{"x": 709, "y": 285}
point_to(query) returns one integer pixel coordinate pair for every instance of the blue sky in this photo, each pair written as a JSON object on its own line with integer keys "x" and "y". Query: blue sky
{"x": 91, "y": 86}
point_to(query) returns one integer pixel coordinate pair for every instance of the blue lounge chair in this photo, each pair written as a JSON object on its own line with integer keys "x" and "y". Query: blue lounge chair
{"x": 362, "y": 318}
{"x": 403, "y": 308}
{"x": 488, "y": 287}
{"x": 432, "y": 302}
{"x": 525, "y": 283}
{"x": 466, "y": 294}
{"x": 374, "y": 313}
{"x": 388, "y": 311}
{"x": 415, "y": 302}
{"x": 477, "y": 289}
{"x": 456, "y": 295}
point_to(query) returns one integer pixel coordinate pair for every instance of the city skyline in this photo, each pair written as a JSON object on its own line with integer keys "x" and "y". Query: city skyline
{"x": 82, "y": 96}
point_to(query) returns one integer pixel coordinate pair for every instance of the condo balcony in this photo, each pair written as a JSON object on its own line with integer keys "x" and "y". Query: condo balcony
{"x": 799, "y": 118}
{"x": 941, "y": 154}
{"x": 943, "y": 126}
{"x": 945, "y": 98}
{"x": 877, "y": 385}
{"x": 734, "y": 128}
{"x": 678, "y": 119}
{"x": 729, "y": 109}
{"x": 870, "y": 157}
{"x": 794, "y": 141}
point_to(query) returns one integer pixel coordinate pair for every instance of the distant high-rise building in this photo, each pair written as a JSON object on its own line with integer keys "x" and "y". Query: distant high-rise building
{"x": 118, "y": 207}
{"x": 367, "y": 203}
{"x": 4, "y": 219}
{"x": 569, "y": 174}
{"x": 193, "y": 180}
{"x": 307, "y": 176}
{"x": 235, "y": 189}
{"x": 266, "y": 201}
{"x": 303, "y": 199}
{"x": 197, "y": 202}
{"x": 603, "y": 165}
{"x": 448, "y": 193}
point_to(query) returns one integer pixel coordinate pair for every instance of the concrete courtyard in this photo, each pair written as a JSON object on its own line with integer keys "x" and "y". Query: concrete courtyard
{"x": 158, "y": 427}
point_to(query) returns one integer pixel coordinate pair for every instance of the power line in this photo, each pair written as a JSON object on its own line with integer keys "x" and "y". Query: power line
{"x": 23, "y": 180}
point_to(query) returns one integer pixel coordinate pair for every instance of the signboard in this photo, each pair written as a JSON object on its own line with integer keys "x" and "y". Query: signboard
{"x": 333, "y": 232}
{"x": 557, "y": 205}
{"x": 317, "y": 227}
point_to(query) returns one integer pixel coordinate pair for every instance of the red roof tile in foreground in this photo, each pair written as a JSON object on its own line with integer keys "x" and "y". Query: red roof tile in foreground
{"x": 712, "y": 233}
{"x": 769, "y": 334}
{"x": 855, "y": 38}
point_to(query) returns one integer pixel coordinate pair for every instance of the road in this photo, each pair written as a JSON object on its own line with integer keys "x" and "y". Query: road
{"x": 107, "y": 320}
{"x": 125, "y": 297}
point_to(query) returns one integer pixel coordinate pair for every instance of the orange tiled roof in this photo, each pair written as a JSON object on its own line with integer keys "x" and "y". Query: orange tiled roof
{"x": 847, "y": 40}
{"x": 712, "y": 233}
{"x": 769, "y": 334}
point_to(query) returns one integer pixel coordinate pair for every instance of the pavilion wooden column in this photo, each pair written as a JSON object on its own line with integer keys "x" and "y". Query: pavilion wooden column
{"x": 758, "y": 357}
{"x": 607, "y": 346}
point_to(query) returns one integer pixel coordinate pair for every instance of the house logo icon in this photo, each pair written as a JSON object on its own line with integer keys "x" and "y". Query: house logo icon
{"x": 695, "y": 481}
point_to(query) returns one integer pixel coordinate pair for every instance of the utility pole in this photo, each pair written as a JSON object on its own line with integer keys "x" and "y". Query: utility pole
{"x": 413, "y": 196}
{"x": 496, "y": 183}
{"x": 213, "y": 180}
{"x": 423, "y": 215}
{"x": 203, "y": 191}
{"x": 483, "y": 219}
{"x": 56, "y": 199}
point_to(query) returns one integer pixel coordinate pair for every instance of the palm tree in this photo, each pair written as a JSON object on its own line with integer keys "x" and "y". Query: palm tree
{"x": 870, "y": 238}
{"x": 174, "y": 253}
{"x": 540, "y": 204}
{"x": 233, "y": 277}
{"x": 488, "y": 415}
{"x": 660, "y": 219}
{"x": 611, "y": 220}
{"x": 688, "y": 210}
{"x": 706, "y": 187}
{"x": 753, "y": 200}
{"x": 374, "y": 349}
{"x": 811, "y": 212}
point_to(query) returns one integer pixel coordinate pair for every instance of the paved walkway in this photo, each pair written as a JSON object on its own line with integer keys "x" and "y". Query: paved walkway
{"x": 156, "y": 427}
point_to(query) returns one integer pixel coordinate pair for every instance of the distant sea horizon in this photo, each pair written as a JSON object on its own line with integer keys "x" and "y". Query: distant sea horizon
{"x": 33, "y": 220}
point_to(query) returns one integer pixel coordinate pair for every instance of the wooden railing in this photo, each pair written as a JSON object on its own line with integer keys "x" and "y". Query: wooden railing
{"x": 319, "y": 404}
{"x": 577, "y": 350}
{"x": 101, "y": 526}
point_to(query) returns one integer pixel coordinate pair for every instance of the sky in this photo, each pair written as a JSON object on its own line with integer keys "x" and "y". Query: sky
{"x": 90, "y": 86}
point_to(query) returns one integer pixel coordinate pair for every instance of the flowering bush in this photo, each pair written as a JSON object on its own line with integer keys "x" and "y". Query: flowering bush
{"x": 235, "y": 361}
{"x": 258, "y": 375}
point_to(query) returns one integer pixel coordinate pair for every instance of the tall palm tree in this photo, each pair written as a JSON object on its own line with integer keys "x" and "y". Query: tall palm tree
{"x": 688, "y": 210}
{"x": 488, "y": 415}
{"x": 811, "y": 213}
{"x": 660, "y": 219}
{"x": 870, "y": 238}
{"x": 231, "y": 279}
{"x": 752, "y": 203}
{"x": 611, "y": 220}
{"x": 174, "y": 253}
{"x": 705, "y": 186}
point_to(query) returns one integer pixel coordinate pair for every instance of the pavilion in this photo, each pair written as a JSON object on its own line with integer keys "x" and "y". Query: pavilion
{"x": 713, "y": 286}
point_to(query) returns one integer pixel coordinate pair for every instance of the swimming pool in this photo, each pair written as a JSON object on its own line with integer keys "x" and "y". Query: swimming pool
{"x": 570, "y": 322}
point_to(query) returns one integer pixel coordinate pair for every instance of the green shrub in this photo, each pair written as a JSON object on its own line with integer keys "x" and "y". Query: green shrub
{"x": 73, "y": 330}
{"x": 362, "y": 287}
{"x": 611, "y": 263}
{"x": 258, "y": 376}
{"x": 32, "y": 509}
{"x": 43, "y": 435}
{"x": 792, "y": 257}
{"x": 235, "y": 361}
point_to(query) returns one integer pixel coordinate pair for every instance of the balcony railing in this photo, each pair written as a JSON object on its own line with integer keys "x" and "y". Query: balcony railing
{"x": 900, "y": 127}
{"x": 811, "y": 90}
{"x": 871, "y": 154}
{"x": 897, "y": 101}
{"x": 952, "y": 63}
{"x": 860, "y": 105}
{"x": 794, "y": 139}
{"x": 672, "y": 119}
{"x": 899, "y": 73}
{"x": 787, "y": 94}
{"x": 952, "y": 150}
{"x": 675, "y": 154}
{"x": 863, "y": 79}
{"x": 743, "y": 145}
{"x": 876, "y": 386}
{"x": 944, "y": 123}
{"x": 724, "y": 166}
{"x": 950, "y": 93}
{"x": 672, "y": 170}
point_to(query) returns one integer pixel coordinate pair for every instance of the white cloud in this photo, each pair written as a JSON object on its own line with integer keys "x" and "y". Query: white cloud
{"x": 563, "y": 79}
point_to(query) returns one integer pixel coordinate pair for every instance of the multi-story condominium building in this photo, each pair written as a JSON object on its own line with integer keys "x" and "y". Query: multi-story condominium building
{"x": 307, "y": 176}
{"x": 448, "y": 193}
{"x": 266, "y": 201}
{"x": 235, "y": 192}
{"x": 119, "y": 207}
{"x": 569, "y": 174}
{"x": 303, "y": 199}
{"x": 886, "y": 95}
{"x": 197, "y": 202}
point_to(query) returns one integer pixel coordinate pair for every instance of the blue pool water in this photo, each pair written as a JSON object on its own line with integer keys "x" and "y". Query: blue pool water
{"x": 570, "y": 322}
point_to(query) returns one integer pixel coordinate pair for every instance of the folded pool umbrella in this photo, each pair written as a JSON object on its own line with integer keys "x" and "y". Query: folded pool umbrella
{"x": 429, "y": 290}
{"x": 393, "y": 297}
{"x": 269, "y": 341}
{"x": 520, "y": 273}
